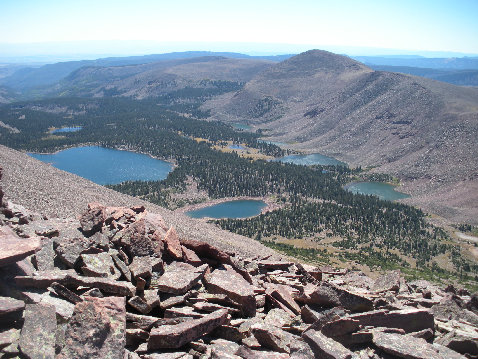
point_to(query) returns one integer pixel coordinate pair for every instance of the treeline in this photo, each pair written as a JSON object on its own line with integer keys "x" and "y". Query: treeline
{"x": 365, "y": 221}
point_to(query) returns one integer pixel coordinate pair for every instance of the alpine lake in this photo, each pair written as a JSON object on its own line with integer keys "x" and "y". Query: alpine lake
{"x": 109, "y": 166}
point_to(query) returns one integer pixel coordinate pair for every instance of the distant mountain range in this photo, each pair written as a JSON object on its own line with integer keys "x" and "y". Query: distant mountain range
{"x": 421, "y": 130}
{"x": 31, "y": 77}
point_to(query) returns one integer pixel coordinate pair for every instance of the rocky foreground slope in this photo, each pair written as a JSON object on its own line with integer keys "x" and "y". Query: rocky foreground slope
{"x": 119, "y": 282}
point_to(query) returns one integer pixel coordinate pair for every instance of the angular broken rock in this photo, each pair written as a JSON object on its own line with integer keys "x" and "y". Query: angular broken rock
{"x": 140, "y": 304}
{"x": 328, "y": 294}
{"x": 141, "y": 267}
{"x": 173, "y": 247}
{"x": 189, "y": 256}
{"x": 71, "y": 280}
{"x": 96, "y": 330}
{"x": 9, "y": 305}
{"x": 92, "y": 220}
{"x": 66, "y": 293}
{"x": 235, "y": 287}
{"x": 324, "y": 347}
{"x": 175, "y": 336}
{"x": 274, "y": 338}
{"x": 410, "y": 320}
{"x": 136, "y": 240}
{"x": 43, "y": 259}
{"x": 37, "y": 338}
{"x": 14, "y": 248}
{"x": 69, "y": 250}
{"x": 179, "y": 277}
{"x": 387, "y": 282}
{"x": 283, "y": 294}
{"x": 405, "y": 347}
{"x": 207, "y": 251}
{"x": 99, "y": 265}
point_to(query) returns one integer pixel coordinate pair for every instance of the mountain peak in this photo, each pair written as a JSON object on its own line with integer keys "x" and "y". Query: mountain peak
{"x": 320, "y": 60}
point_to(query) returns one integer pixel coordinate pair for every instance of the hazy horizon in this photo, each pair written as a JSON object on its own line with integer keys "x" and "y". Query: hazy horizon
{"x": 87, "y": 29}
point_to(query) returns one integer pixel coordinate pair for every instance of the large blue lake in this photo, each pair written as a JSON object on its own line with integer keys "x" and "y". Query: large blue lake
{"x": 311, "y": 159}
{"x": 382, "y": 190}
{"x": 230, "y": 209}
{"x": 107, "y": 166}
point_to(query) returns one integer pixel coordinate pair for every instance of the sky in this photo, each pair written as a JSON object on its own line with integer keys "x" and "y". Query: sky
{"x": 114, "y": 26}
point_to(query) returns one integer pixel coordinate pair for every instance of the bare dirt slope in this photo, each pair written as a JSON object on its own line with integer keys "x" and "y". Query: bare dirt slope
{"x": 42, "y": 188}
{"x": 423, "y": 131}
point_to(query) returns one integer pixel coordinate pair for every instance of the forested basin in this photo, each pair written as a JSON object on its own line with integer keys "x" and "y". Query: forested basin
{"x": 106, "y": 165}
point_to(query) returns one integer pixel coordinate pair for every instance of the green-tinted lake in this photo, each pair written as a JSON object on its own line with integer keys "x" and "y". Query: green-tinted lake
{"x": 107, "y": 166}
{"x": 241, "y": 126}
{"x": 230, "y": 209}
{"x": 67, "y": 129}
{"x": 311, "y": 159}
{"x": 382, "y": 190}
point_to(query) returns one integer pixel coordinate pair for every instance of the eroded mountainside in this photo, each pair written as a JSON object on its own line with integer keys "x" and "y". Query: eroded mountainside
{"x": 420, "y": 130}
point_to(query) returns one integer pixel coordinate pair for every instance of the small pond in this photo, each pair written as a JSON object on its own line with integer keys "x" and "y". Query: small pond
{"x": 241, "y": 126}
{"x": 382, "y": 190}
{"x": 230, "y": 209}
{"x": 236, "y": 147}
{"x": 67, "y": 129}
{"x": 107, "y": 166}
{"x": 311, "y": 159}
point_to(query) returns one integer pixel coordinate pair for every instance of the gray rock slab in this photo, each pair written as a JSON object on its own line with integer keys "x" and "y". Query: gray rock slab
{"x": 175, "y": 336}
{"x": 179, "y": 277}
{"x": 37, "y": 338}
{"x": 96, "y": 330}
{"x": 324, "y": 347}
{"x": 235, "y": 287}
{"x": 13, "y": 248}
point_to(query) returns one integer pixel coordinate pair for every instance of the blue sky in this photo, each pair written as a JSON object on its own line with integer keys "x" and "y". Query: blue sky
{"x": 419, "y": 25}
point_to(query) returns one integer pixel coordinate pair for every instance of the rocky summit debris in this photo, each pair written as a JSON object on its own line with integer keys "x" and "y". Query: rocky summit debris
{"x": 120, "y": 283}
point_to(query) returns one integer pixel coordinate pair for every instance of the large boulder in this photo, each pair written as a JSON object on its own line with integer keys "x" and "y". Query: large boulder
{"x": 96, "y": 330}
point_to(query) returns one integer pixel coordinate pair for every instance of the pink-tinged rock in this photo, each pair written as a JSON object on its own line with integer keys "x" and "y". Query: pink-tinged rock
{"x": 172, "y": 245}
{"x": 97, "y": 329}
{"x": 182, "y": 312}
{"x": 69, "y": 250}
{"x": 235, "y": 287}
{"x": 175, "y": 336}
{"x": 141, "y": 267}
{"x": 14, "y": 248}
{"x": 92, "y": 220}
{"x": 405, "y": 347}
{"x": 207, "y": 251}
{"x": 179, "y": 277}
{"x": 189, "y": 256}
{"x": 387, "y": 282}
{"x": 123, "y": 268}
{"x": 273, "y": 338}
{"x": 283, "y": 294}
{"x": 9, "y": 337}
{"x": 324, "y": 347}
{"x": 410, "y": 320}
{"x": 9, "y": 305}
{"x": 137, "y": 321}
{"x": 273, "y": 265}
{"x": 99, "y": 265}
{"x": 328, "y": 294}
{"x": 137, "y": 239}
{"x": 71, "y": 280}
{"x": 37, "y": 338}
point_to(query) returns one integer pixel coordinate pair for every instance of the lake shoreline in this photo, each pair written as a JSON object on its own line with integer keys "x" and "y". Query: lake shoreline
{"x": 271, "y": 205}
